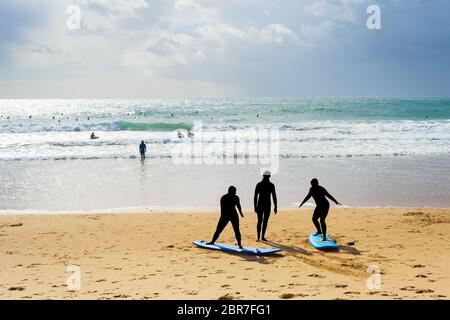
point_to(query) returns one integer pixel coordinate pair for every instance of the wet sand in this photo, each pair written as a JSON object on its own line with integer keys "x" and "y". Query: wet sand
{"x": 151, "y": 256}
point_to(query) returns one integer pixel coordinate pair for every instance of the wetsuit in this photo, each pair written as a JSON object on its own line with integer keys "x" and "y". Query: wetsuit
{"x": 320, "y": 194}
{"x": 263, "y": 191}
{"x": 142, "y": 149}
{"x": 228, "y": 213}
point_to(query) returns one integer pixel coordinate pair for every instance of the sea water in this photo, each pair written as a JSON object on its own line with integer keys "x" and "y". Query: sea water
{"x": 369, "y": 151}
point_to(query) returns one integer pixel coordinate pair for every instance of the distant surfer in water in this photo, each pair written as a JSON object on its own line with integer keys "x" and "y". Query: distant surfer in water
{"x": 320, "y": 195}
{"x": 262, "y": 202}
{"x": 142, "y": 149}
{"x": 228, "y": 204}
{"x": 93, "y": 136}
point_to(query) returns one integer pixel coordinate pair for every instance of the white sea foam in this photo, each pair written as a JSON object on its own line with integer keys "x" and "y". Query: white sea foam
{"x": 297, "y": 140}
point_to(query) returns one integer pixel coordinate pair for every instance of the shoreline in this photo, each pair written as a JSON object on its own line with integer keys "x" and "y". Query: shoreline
{"x": 187, "y": 210}
{"x": 139, "y": 256}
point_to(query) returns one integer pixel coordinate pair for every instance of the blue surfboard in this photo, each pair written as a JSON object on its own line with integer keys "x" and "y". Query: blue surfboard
{"x": 316, "y": 242}
{"x": 235, "y": 249}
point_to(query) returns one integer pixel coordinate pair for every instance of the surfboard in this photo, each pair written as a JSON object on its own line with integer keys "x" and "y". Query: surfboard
{"x": 316, "y": 242}
{"x": 235, "y": 249}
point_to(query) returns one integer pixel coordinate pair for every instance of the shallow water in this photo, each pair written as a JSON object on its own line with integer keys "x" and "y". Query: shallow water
{"x": 366, "y": 151}
{"x": 159, "y": 184}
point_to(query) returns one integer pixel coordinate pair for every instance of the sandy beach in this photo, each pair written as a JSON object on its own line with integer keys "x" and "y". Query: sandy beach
{"x": 151, "y": 256}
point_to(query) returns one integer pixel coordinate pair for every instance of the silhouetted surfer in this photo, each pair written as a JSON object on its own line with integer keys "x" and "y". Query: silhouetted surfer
{"x": 228, "y": 213}
{"x": 263, "y": 191}
{"x": 142, "y": 149}
{"x": 319, "y": 194}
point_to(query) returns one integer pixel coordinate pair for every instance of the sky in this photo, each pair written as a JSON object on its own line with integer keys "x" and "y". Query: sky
{"x": 223, "y": 48}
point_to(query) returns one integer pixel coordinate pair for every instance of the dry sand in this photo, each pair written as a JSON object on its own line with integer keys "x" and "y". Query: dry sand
{"x": 150, "y": 256}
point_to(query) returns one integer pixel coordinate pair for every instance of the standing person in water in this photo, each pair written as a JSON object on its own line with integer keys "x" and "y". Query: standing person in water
{"x": 142, "y": 149}
{"x": 262, "y": 201}
{"x": 228, "y": 204}
{"x": 320, "y": 195}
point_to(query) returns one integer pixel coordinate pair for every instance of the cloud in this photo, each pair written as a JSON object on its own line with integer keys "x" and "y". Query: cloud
{"x": 193, "y": 33}
{"x": 202, "y": 47}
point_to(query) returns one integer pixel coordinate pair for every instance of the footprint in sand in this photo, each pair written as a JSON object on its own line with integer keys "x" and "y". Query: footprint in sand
{"x": 341, "y": 286}
{"x": 316, "y": 276}
{"x": 418, "y": 266}
{"x": 438, "y": 296}
{"x": 408, "y": 288}
{"x": 424, "y": 291}
{"x": 227, "y": 297}
{"x": 389, "y": 294}
{"x": 16, "y": 225}
{"x": 352, "y": 292}
{"x": 287, "y": 296}
{"x": 16, "y": 289}
{"x": 421, "y": 276}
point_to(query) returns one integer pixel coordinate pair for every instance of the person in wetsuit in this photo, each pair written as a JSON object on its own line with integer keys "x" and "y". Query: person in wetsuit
{"x": 228, "y": 204}
{"x": 142, "y": 149}
{"x": 319, "y": 194}
{"x": 263, "y": 192}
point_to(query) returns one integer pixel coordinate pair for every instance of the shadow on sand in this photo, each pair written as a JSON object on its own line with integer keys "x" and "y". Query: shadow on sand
{"x": 350, "y": 250}
{"x": 256, "y": 258}
{"x": 287, "y": 248}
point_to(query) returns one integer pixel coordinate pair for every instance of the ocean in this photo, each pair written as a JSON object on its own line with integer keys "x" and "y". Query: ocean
{"x": 374, "y": 151}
